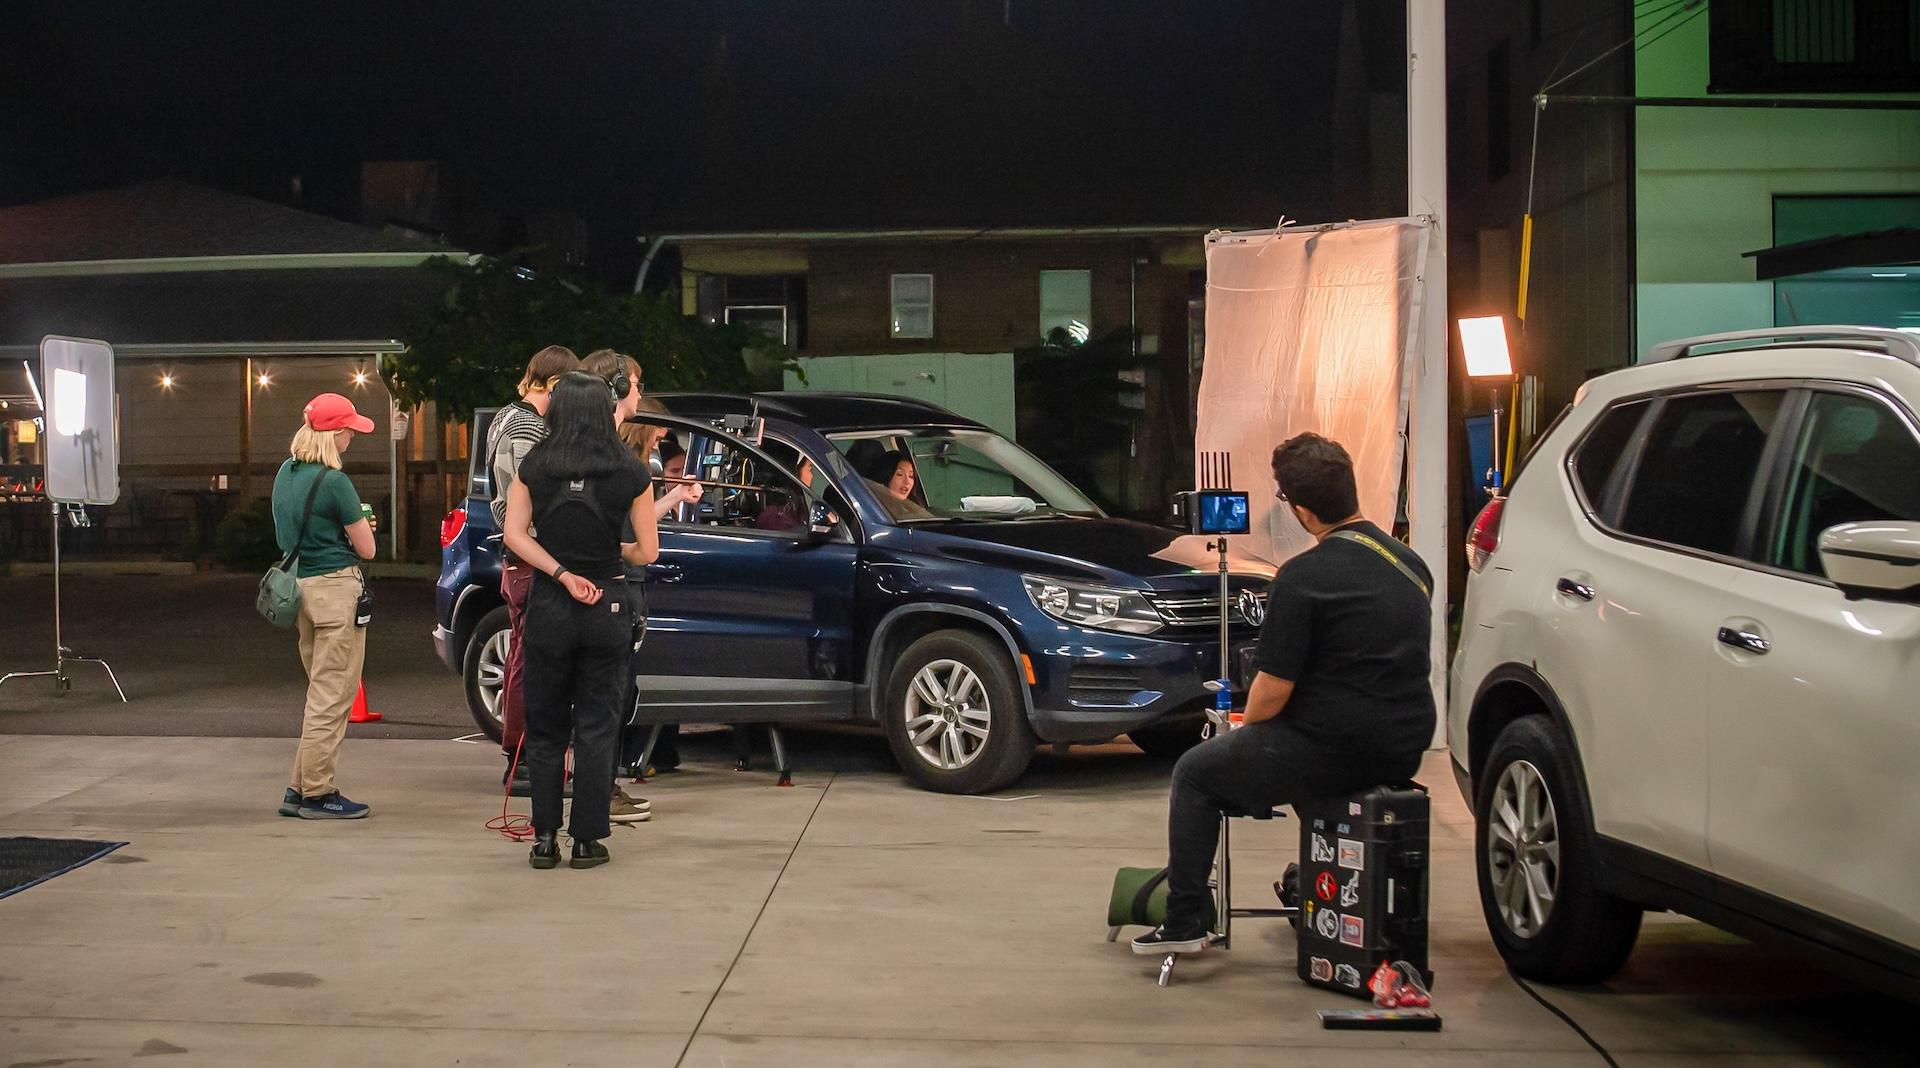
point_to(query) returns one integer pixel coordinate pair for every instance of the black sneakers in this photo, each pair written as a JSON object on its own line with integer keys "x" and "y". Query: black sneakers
{"x": 588, "y": 854}
{"x": 1159, "y": 941}
{"x": 290, "y": 802}
{"x": 545, "y": 852}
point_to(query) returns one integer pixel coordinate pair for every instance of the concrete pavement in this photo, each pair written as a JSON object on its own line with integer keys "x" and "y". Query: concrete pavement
{"x": 850, "y": 921}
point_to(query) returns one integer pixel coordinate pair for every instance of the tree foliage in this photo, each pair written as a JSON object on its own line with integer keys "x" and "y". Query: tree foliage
{"x": 469, "y": 350}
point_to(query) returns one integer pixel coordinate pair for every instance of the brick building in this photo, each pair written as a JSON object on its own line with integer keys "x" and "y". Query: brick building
{"x": 956, "y": 316}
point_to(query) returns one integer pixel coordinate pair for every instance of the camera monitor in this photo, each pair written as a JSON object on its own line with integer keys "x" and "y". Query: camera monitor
{"x": 1222, "y": 512}
{"x": 1213, "y": 512}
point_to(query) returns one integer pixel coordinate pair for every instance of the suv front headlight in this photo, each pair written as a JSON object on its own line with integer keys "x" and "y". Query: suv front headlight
{"x": 1100, "y": 607}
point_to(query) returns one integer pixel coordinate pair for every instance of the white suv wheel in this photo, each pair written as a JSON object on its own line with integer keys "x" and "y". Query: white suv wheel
{"x": 1523, "y": 849}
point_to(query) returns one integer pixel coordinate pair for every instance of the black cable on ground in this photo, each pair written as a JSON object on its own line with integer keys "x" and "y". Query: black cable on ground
{"x": 758, "y": 916}
{"x": 1568, "y": 1020}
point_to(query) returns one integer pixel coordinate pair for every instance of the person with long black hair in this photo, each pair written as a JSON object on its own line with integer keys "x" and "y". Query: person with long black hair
{"x": 575, "y": 487}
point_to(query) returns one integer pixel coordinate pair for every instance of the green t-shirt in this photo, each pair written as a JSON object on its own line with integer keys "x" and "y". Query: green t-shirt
{"x": 323, "y": 544}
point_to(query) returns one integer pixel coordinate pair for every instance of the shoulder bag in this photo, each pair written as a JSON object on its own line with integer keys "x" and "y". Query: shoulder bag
{"x": 279, "y": 599}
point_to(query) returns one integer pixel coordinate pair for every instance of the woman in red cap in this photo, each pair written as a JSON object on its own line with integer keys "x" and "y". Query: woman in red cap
{"x": 317, "y": 515}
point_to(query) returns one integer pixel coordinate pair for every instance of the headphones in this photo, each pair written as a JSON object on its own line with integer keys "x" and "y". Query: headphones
{"x": 620, "y": 383}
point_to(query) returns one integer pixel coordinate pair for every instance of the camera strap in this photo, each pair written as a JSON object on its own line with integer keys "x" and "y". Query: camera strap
{"x": 1388, "y": 554}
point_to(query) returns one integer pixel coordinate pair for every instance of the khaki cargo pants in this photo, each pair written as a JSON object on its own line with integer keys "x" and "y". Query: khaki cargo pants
{"x": 333, "y": 650}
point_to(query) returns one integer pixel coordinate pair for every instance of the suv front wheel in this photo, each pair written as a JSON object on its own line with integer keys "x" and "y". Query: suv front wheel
{"x": 954, "y": 715}
{"x": 1538, "y": 869}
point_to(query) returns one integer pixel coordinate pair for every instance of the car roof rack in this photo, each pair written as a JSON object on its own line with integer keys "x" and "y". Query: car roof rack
{"x": 1892, "y": 342}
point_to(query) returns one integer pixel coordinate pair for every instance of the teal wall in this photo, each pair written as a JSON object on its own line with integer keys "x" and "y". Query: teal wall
{"x": 1706, "y": 178}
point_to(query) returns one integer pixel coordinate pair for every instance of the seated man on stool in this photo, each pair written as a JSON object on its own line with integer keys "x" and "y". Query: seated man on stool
{"x": 1342, "y": 699}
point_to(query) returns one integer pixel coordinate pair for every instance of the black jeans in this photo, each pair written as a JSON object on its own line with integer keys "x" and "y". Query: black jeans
{"x": 576, "y": 657}
{"x": 1256, "y": 768}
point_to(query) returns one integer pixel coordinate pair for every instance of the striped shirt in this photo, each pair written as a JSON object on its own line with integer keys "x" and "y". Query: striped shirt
{"x": 515, "y": 431}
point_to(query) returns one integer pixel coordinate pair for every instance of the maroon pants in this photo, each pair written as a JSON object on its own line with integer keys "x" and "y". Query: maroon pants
{"x": 516, "y": 580}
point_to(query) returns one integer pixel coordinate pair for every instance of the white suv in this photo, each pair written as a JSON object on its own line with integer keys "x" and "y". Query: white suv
{"x": 1688, "y": 675}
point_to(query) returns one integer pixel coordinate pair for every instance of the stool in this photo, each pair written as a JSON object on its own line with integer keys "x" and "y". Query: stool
{"x": 1222, "y": 883}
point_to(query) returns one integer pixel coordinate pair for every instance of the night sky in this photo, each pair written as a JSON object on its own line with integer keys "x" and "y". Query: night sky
{"x": 645, "y": 116}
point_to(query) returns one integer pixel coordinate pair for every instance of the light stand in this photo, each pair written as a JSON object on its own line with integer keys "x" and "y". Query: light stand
{"x": 1483, "y": 341}
{"x": 62, "y": 656}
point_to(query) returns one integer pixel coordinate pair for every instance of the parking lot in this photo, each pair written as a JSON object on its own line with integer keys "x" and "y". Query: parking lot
{"x": 850, "y": 920}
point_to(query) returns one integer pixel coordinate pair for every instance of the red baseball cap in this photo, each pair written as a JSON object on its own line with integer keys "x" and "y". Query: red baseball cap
{"x": 331, "y": 411}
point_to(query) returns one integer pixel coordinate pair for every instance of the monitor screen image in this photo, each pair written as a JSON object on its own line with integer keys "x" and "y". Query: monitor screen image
{"x": 1222, "y": 512}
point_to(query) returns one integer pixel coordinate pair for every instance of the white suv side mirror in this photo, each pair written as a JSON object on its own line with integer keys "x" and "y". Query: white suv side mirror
{"x": 1877, "y": 559}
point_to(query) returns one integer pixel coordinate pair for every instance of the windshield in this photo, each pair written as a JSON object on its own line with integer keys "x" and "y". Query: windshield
{"x": 942, "y": 474}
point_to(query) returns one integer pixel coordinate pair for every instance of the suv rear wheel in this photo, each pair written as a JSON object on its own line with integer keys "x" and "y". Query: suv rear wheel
{"x": 486, "y": 669}
{"x": 954, "y": 716}
{"x": 1538, "y": 870}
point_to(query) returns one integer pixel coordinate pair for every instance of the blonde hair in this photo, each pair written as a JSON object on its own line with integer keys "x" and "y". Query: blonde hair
{"x": 312, "y": 446}
{"x": 547, "y": 364}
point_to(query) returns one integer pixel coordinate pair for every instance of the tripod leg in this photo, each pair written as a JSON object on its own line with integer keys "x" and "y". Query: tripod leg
{"x": 1166, "y": 968}
{"x": 646, "y": 755}
{"x": 109, "y": 670}
{"x": 780, "y": 755}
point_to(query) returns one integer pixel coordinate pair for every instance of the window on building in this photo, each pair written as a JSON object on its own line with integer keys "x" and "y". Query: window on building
{"x": 1871, "y": 295}
{"x": 1697, "y": 469}
{"x": 912, "y": 305}
{"x": 1066, "y": 303}
{"x": 1807, "y": 46}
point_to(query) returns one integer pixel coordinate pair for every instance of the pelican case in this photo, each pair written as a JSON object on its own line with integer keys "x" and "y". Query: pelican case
{"x": 1363, "y": 886}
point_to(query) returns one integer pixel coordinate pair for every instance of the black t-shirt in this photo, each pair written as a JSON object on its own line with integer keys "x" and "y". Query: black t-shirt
{"x": 1351, "y": 632}
{"x": 584, "y": 543}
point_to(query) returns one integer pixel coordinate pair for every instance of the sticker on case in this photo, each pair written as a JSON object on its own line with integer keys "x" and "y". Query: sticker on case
{"x": 1350, "y": 892}
{"x": 1321, "y": 969}
{"x": 1353, "y": 808}
{"x": 1328, "y": 923}
{"x": 1352, "y": 854}
{"x": 1321, "y": 850}
{"x": 1348, "y": 976}
{"x": 1326, "y": 886}
{"x": 1353, "y": 930}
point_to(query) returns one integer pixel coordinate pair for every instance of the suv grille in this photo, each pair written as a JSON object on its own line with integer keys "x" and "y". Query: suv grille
{"x": 1188, "y": 610}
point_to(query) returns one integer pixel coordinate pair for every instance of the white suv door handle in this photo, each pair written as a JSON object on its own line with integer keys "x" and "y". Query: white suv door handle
{"x": 1744, "y": 640}
{"x": 1574, "y": 589}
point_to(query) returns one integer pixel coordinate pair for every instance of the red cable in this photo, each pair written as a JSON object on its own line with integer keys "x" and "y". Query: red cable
{"x": 514, "y": 827}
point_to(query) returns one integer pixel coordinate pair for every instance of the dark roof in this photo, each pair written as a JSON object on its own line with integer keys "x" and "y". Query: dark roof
{"x": 175, "y": 219}
{"x": 341, "y": 303}
{"x": 824, "y": 412}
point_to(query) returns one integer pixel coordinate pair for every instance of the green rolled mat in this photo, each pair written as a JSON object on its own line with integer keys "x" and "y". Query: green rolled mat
{"x": 1139, "y": 899}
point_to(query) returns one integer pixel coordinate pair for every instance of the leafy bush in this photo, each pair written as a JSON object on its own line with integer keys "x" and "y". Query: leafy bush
{"x": 471, "y": 348}
{"x": 244, "y": 540}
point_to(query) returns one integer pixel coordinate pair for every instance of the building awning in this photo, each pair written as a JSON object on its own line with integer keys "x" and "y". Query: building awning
{"x": 1877, "y": 248}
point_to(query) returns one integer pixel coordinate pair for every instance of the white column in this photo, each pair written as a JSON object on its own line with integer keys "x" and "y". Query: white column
{"x": 1427, "y": 195}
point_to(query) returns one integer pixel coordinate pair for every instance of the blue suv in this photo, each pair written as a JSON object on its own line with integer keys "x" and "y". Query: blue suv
{"x": 985, "y": 607}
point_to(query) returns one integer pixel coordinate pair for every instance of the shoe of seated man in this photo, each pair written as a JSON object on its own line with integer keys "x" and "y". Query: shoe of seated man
{"x": 333, "y": 806}
{"x": 640, "y": 803}
{"x": 1162, "y": 941}
{"x": 622, "y": 809}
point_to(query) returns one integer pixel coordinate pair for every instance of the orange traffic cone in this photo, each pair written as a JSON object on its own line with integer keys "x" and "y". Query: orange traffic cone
{"x": 360, "y": 713}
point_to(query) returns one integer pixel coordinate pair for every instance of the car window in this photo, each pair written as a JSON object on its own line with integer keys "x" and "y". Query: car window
{"x": 740, "y": 491}
{"x": 1854, "y": 460}
{"x": 1596, "y": 463}
{"x": 1697, "y": 469}
{"x": 479, "y": 464}
{"x": 960, "y": 474}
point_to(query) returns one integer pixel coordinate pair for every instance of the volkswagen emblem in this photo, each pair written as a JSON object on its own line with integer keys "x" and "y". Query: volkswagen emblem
{"x": 1252, "y": 608}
